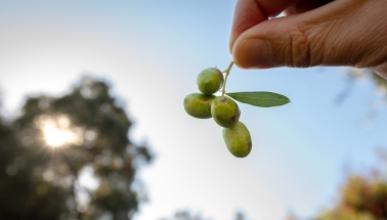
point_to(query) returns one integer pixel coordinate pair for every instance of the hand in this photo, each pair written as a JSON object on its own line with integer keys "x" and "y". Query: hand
{"x": 313, "y": 32}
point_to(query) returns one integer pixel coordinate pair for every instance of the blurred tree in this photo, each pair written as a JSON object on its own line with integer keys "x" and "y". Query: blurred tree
{"x": 380, "y": 82}
{"x": 356, "y": 74}
{"x": 70, "y": 157}
{"x": 361, "y": 199}
{"x": 187, "y": 215}
{"x": 240, "y": 216}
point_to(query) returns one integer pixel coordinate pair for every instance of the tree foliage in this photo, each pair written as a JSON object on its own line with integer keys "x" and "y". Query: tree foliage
{"x": 39, "y": 181}
{"x": 189, "y": 215}
{"x": 361, "y": 199}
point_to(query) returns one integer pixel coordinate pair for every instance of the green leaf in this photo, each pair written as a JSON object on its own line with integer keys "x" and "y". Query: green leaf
{"x": 261, "y": 99}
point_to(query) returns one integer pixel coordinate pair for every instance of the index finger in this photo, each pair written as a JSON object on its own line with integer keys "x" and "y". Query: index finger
{"x": 249, "y": 13}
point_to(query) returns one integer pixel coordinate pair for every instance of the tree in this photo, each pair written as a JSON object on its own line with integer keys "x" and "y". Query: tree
{"x": 356, "y": 74}
{"x": 57, "y": 141}
{"x": 187, "y": 215}
{"x": 361, "y": 199}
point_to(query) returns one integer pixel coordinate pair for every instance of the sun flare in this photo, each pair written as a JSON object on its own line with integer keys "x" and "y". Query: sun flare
{"x": 58, "y": 132}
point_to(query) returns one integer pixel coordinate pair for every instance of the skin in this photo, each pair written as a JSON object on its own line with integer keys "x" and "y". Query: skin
{"x": 238, "y": 140}
{"x": 198, "y": 105}
{"x": 225, "y": 111}
{"x": 313, "y": 32}
{"x": 210, "y": 80}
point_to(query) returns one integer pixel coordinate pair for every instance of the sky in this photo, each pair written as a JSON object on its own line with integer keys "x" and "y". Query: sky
{"x": 151, "y": 52}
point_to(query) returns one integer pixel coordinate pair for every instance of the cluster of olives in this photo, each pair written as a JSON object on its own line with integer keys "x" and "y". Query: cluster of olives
{"x": 222, "y": 109}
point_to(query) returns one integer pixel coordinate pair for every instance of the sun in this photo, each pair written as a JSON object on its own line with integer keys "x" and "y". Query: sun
{"x": 57, "y": 131}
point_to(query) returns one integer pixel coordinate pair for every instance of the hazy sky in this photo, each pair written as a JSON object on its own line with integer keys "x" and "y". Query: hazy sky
{"x": 152, "y": 51}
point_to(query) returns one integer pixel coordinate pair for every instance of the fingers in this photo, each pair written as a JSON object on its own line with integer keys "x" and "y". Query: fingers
{"x": 248, "y": 13}
{"x": 381, "y": 70}
{"x": 334, "y": 34}
{"x": 303, "y": 6}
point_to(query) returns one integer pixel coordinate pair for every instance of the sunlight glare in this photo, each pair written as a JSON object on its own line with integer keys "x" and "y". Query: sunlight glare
{"x": 58, "y": 132}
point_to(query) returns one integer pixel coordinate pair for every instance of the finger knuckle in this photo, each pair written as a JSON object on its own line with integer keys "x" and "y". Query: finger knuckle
{"x": 299, "y": 52}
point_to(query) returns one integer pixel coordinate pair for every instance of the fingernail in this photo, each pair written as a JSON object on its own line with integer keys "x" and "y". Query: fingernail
{"x": 250, "y": 53}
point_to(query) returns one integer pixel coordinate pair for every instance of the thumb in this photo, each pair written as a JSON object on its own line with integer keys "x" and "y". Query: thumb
{"x": 330, "y": 35}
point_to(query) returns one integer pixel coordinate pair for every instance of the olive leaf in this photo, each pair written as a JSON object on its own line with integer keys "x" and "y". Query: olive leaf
{"x": 261, "y": 99}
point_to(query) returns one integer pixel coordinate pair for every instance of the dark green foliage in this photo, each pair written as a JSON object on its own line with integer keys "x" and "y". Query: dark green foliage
{"x": 39, "y": 183}
{"x": 24, "y": 194}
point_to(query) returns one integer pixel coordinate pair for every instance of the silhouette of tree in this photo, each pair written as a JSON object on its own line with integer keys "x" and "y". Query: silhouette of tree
{"x": 187, "y": 215}
{"x": 70, "y": 157}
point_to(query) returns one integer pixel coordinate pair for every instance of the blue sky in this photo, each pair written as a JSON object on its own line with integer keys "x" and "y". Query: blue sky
{"x": 152, "y": 52}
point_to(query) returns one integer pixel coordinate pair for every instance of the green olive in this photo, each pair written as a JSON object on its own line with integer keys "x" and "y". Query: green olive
{"x": 198, "y": 105}
{"x": 210, "y": 80}
{"x": 225, "y": 111}
{"x": 238, "y": 139}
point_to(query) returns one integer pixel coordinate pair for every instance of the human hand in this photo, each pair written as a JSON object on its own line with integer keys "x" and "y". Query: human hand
{"x": 313, "y": 32}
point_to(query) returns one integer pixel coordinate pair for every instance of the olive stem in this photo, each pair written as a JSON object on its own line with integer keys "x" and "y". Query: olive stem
{"x": 227, "y": 72}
